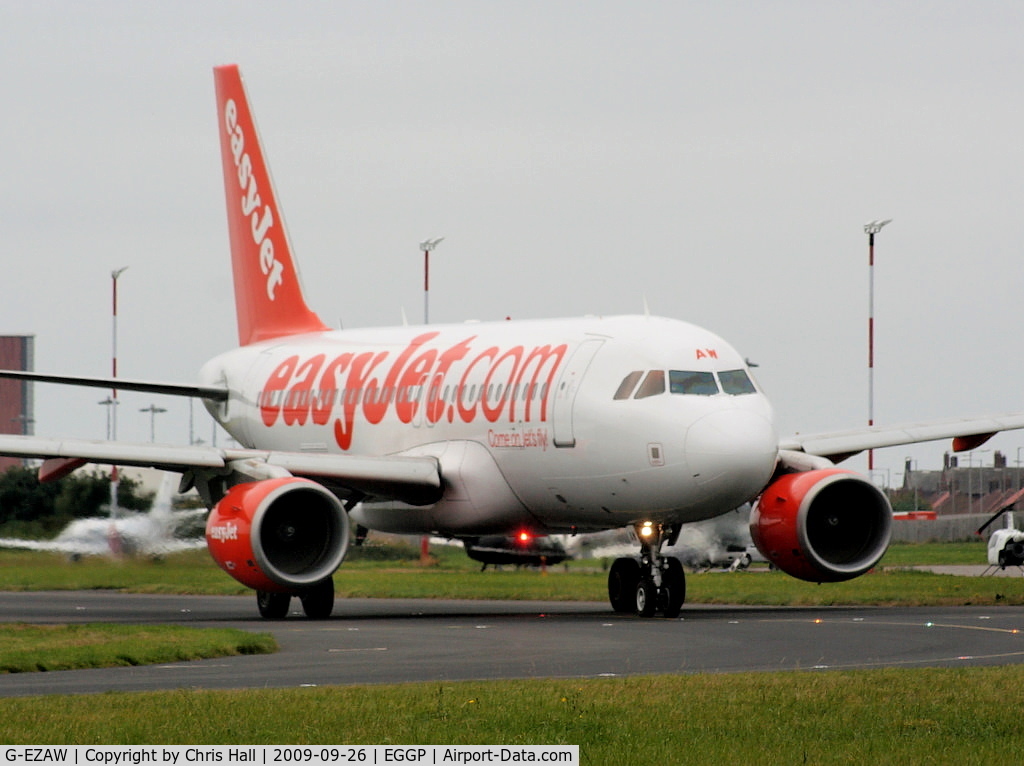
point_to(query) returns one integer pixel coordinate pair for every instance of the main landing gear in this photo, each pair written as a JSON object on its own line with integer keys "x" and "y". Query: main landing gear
{"x": 653, "y": 584}
{"x": 317, "y": 602}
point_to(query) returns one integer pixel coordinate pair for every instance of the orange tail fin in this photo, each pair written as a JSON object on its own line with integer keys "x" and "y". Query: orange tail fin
{"x": 268, "y": 295}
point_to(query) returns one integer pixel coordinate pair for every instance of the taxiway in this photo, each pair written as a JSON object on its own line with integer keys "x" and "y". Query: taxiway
{"x": 375, "y": 641}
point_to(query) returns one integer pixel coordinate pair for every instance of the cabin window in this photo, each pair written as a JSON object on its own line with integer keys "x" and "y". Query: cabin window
{"x": 698, "y": 383}
{"x": 736, "y": 382}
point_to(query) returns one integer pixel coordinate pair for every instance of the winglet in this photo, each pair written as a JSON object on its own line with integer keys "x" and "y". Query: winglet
{"x": 58, "y": 467}
{"x": 973, "y": 441}
{"x": 268, "y": 295}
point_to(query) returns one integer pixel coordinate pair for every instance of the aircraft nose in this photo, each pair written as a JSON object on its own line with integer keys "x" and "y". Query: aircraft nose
{"x": 731, "y": 453}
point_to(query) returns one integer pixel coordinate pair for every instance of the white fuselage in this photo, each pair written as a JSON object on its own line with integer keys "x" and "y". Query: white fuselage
{"x": 554, "y": 425}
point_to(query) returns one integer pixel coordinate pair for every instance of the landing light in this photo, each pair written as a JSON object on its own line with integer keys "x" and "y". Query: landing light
{"x": 647, "y": 529}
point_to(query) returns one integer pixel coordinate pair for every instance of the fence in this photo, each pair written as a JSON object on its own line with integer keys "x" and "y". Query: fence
{"x": 944, "y": 529}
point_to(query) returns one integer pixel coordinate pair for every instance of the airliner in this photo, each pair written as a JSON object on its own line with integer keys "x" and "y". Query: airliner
{"x": 560, "y": 426}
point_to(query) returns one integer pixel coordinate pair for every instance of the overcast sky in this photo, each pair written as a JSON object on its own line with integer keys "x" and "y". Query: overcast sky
{"x": 716, "y": 159}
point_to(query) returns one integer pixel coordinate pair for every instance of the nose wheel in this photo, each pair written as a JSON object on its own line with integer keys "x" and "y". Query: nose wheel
{"x": 655, "y": 584}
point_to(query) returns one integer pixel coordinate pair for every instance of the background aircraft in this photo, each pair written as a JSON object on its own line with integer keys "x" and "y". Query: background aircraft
{"x": 722, "y": 542}
{"x": 157, "y": 532}
{"x": 1005, "y": 545}
{"x": 521, "y": 550}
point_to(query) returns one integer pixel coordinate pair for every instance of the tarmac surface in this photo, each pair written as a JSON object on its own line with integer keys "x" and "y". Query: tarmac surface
{"x": 374, "y": 641}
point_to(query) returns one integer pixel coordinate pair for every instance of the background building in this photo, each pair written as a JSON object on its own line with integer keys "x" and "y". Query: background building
{"x": 965, "y": 485}
{"x": 17, "y": 352}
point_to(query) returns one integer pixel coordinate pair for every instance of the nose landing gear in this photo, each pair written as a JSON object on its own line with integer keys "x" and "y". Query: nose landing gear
{"x": 655, "y": 583}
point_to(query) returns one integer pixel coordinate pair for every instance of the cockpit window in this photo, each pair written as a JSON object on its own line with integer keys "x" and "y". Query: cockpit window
{"x": 653, "y": 385}
{"x": 737, "y": 382}
{"x": 628, "y": 384}
{"x": 699, "y": 383}
{"x": 690, "y": 382}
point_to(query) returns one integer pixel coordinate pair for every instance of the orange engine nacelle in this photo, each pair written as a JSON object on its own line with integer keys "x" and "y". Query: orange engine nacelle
{"x": 278, "y": 535}
{"x": 822, "y": 526}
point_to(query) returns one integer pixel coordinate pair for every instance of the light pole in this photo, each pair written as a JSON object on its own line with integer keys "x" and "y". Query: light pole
{"x": 108, "y": 403}
{"x": 153, "y": 411}
{"x": 112, "y": 408}
{"x": 426, "y": 247}
{"x": 970, "y": 482}
{"x": 1018, "y": 467}
{"x": 871, "y": 229}
{"x": 24, "y": 423}
{"x": 887, "y": 481}
{"x": 910, "y": 469}
{"x": 113, "y": 347}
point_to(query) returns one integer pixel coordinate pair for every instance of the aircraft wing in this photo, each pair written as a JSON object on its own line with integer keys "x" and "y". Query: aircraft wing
{"x": 122, "y": 384}
{"x": 73, "y": 548}
{"x": 966, "y": 433}
{"x": 42, "y": 545}
{"x": 415, "y": 480}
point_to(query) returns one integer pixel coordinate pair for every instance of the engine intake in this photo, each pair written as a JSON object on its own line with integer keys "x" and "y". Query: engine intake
{"x": 278, "y": 535}
{"x": 826, "y": 525}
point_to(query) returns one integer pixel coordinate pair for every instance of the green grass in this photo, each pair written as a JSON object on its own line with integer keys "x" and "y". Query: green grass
{"x": 886, "y": 588}
{"x": 190, "y": 572}
{"x": 936, "y": 554}
{"x": 26, "y": 648}
{"x": 453, "y": 575}
{"x": 891, "y": 716}
{"x": 879, "y": 717}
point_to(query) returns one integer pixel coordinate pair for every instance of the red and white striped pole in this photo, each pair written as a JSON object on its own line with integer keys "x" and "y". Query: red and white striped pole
{"x": 871, "y": 229}
{"x": 113, "y": 345}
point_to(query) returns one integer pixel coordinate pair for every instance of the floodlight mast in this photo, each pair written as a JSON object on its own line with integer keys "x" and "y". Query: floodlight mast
{"x": 426, "y": 247}
{"x": 871, "y": 229}
{"x": 113, "y": 346}
{"x": 153, "y": 411}
{"x": 112, "y": 407}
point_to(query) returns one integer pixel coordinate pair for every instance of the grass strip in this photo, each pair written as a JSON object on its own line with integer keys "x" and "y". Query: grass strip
{"x": 26, "y": 648}
{"x": 456, "y": 577}
{"x": 881, "y": 716}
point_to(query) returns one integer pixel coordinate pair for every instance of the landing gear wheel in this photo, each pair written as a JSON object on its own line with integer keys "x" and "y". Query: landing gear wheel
{"x": 646, "y": 597}
{"x": 673, "y": 587}
{"x": 273, "y": 606}
{"x": 622, "y": 581}
{"x": 318, "y": 601}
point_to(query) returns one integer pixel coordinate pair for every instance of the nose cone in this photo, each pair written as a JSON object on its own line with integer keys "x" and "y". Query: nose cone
{"x": 731, "y": 454}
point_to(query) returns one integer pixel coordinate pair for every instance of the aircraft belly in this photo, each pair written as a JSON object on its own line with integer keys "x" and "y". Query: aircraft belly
{"x": 477, "y": 499}
{"x": 584, "y": 489}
